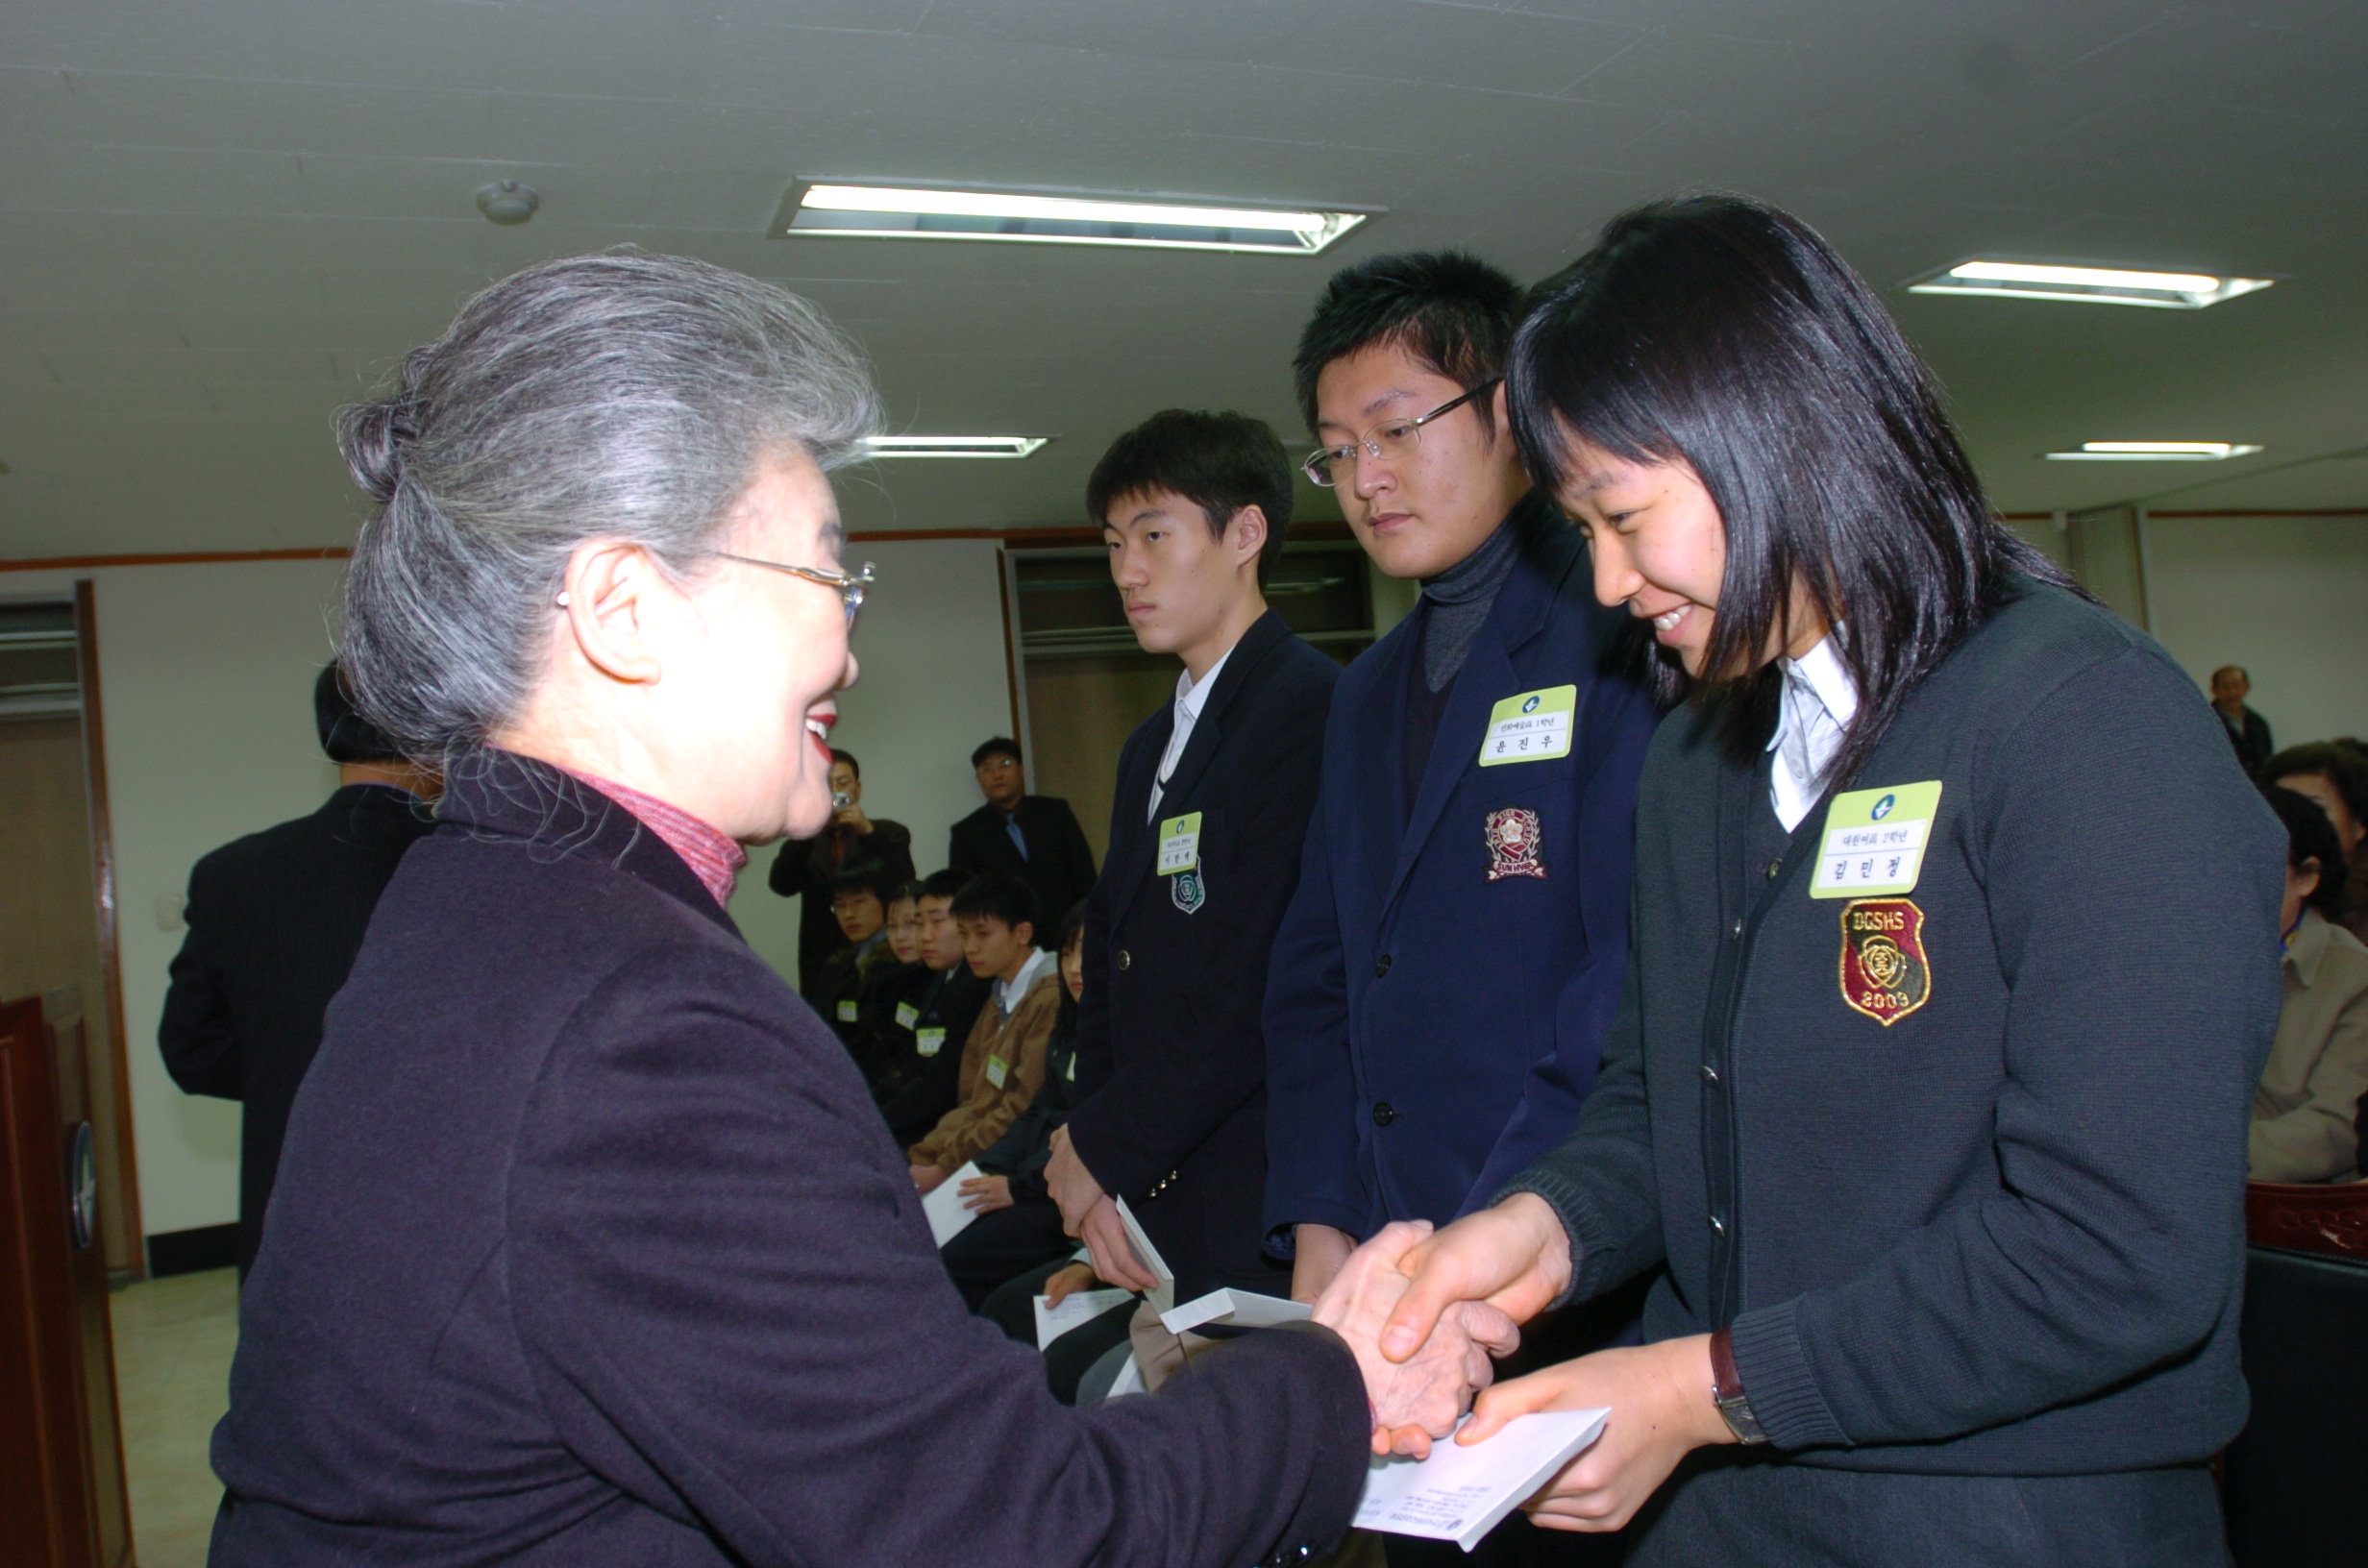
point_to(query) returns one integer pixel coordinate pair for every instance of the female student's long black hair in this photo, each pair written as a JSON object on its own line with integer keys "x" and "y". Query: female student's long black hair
{"x": 1716, "y": 331}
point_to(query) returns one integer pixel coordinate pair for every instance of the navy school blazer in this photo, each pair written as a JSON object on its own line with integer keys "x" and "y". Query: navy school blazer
{"x": 1171, "y": 1058}
{"x": 589, "y": 1249}
{"x": 1436, "y": 1006}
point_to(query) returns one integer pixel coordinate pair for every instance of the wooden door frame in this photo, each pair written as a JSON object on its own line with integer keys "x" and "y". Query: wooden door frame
{"x": 103, "y": 897}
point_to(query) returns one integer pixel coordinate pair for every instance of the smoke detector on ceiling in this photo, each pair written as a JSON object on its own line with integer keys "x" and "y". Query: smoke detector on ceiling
{"x": 507, "y": 203}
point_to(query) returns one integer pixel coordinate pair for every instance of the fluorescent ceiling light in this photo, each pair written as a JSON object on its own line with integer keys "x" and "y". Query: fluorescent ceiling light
{"x": 2152, "y": 452}
{"x": 2096, "y": 286}
{"x": 954, "y": 446}
{"x": 910, "y": 212}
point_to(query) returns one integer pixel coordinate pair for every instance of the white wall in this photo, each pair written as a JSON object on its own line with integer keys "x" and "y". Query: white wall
{"x": 205, "y": 676}
{"x": 2284, "y": 596}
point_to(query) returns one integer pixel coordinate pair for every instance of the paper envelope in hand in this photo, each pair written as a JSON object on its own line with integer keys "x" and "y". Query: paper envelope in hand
{"x": 1162, "y": 1297}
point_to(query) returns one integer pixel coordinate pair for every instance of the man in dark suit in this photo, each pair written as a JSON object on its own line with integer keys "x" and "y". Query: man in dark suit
{"x": 2248, "y": 731}
{"x": 1035, "y": 836}
{"x": 275, "y": 920}
{"x": 1213, "y": 798}
{"x": 1442, "y": 983}
{"x": 809, "y": 869}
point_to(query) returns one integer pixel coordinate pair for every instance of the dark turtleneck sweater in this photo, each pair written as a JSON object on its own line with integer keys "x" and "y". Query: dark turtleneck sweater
{"x": 1455, "y": 605}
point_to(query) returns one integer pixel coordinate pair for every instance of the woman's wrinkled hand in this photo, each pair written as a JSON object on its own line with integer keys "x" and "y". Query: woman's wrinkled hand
{"x": 1422, "y": 1395}
{"x": 985, "y": 1194}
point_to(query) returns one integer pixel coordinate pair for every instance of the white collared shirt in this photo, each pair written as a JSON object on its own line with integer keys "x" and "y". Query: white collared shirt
{"x": 1819, "y": 700}
{"x": 1007, "y": 996}
{"x": 1189, "y": 695}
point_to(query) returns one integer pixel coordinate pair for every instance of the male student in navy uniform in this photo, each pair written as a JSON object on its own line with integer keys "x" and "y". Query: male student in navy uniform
{"x": 1214, "y": 792}
{"x": 1441, "y": 985}
{"x": 922, "y": 1061}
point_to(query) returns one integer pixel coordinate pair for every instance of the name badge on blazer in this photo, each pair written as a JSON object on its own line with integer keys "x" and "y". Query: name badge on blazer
{"x": 849, "y": 1009}
{"x": 1179, "y": 844}
{"x": 1530, "y": 726}
{"x": 907, "y": 1014}
{"x": 929, "y": 1042}
{"x": 1875, "y": 841}
{"x": 996, "y": 1071}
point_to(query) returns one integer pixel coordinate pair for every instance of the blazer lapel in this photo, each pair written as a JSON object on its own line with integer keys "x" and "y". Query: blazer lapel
{"x": 1130, "y": 855}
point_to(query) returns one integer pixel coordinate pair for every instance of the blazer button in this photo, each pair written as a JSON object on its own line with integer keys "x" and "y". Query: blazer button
{"x": 1719, "y": 1227}
{"x": 1736, "y": 932}
{"x": 1384, "y": 1114}
{"x": 1126, "y": 960}
{"x": 1381, "y": 965}
{"x": 1709, "y": 1074}
{"x": 1773, "y": 867}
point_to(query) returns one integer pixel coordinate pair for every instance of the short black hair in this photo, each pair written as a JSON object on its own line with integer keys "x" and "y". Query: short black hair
{"x": 2310, "y": 836}
{"x": 995, "y": 746}
{"x": 2335, "y": 763}
{"x": 870, "y": 875}
{"x": 1221, "y": 462}
{"x": 997, "y": 896}
{"x": 908, "y": 890}
{"x": 847, "y": 757}
{"x": 944, "y": 884}
{"x": 1716, "y": 331}
{"x": 1448, "y": 308}
{"x": 345, "y": 734}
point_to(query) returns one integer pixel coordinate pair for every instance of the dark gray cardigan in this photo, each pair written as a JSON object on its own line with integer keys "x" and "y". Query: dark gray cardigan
{"x": 590, "y": 1248}
{"x": 2005, "y": 1233}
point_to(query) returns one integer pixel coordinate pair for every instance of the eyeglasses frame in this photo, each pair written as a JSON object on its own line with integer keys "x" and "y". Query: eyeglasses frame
{"x": 849, "y": 584}
{"x": 1316, "y": 473}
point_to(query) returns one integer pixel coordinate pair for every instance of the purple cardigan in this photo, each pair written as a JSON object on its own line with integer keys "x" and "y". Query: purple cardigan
{"x": 590, "y": 1248}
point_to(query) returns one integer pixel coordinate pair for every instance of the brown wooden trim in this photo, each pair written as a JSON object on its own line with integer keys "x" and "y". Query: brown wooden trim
{"x": 197, "y": 557}
{"x": 2244, "y": 511}
{"x": 103, "y": 890}
{"x": 1011, "y": 650}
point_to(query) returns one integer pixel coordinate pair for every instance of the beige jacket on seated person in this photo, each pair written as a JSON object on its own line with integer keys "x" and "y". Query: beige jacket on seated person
{"x": 2305, "y": 1109}
{"x": 1003, "y": 1067}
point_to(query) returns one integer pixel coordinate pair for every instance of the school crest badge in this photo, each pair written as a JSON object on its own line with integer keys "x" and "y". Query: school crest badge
{"x": 1885, "y": 973}
{"x": 1516, "y": 841}
{"x": 1187, "y": 892}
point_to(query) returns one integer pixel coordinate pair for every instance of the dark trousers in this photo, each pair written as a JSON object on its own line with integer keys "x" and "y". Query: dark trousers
{"x": 1725, "y": 1507}
{"x": 1009, "y": 1241}
{"x": 1012, "y": 1307}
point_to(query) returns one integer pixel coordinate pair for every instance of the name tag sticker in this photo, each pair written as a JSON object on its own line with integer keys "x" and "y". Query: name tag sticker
{"x": 848, "y": 1009}
{"x": 1179, "y": 844}
{"x": 907, "y": 1014}
{"x": 929, "y": 1042}
{"x": 1530, "y": 726}
{"x": 1875, "y": 841}
{"x": 996, "y": 1071}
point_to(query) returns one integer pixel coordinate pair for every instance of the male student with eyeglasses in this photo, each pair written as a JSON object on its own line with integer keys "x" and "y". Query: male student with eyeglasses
{"x": 1443, "y": 980}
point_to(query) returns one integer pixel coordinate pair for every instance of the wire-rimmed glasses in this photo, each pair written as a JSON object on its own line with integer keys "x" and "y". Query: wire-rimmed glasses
{"x": 1391, "y": 438}
{"x": 849, "y": 584}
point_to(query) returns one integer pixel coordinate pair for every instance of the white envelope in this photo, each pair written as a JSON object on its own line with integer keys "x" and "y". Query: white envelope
{"x": 1458, "y": 1494}
{"x": 1163, "y": 1297}
{"x": 1078, "y": 1307}
{"x": 948, "y": 1218}
{"x": 1235, "y": 1310}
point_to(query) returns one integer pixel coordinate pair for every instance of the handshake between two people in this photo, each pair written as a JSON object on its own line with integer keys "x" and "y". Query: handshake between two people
{"x": 1425, "y": 1311}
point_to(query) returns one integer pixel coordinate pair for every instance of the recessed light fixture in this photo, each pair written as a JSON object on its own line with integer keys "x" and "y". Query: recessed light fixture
{"x": 2152, "y": 452}
{"x": 2094, "y": 286}
{"x": 850, "y": 212}
{"x": 954, "y": 446}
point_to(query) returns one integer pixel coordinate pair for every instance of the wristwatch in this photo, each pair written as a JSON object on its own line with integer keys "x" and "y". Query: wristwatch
{"x": 1727, "y": 1390}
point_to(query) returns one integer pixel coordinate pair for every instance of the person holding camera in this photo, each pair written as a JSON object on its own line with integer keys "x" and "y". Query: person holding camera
{"x": 813, "y": 867}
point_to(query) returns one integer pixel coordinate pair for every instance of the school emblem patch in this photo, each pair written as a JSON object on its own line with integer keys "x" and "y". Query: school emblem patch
{"x": 1885, "y": 973}
{"x": 1516, "y": 840}
{"x": 1187, "y": 892}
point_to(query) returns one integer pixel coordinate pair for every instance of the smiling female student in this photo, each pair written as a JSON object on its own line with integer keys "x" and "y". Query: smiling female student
{"x": 1955, "y": 961}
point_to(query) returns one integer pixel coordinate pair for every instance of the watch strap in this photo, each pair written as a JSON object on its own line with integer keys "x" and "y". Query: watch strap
{"x": 1727, "y": 1390}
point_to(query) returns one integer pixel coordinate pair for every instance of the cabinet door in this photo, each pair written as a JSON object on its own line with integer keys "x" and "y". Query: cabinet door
{"x": 62, "y": 1501}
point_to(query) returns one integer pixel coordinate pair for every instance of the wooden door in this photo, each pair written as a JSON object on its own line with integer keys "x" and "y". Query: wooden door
{"x": 62, "y": 1497}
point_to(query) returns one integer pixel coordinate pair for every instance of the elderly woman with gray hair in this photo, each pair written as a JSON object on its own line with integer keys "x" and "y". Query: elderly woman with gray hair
{"x": 588, "y": 1246}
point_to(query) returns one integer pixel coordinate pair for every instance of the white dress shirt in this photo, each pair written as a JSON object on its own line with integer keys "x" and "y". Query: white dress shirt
{"x": 1007, "y": 996}
{"x": 1189, "y": 695}
{"x": 1819, "y": 702}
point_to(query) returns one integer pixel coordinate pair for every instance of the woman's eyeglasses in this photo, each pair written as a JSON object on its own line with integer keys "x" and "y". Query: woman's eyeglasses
{"x": 1391, "y": 439}
{"x": 849, "y": 584}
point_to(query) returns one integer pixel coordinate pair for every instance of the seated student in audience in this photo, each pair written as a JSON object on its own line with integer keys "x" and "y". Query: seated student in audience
{"x": 859, "y": 903}
{"x": 2306, "y": 1111}
{"x": 1003, "y": 1061}
{"x": 2334, "y": 774}
{"x": 896, "y": 975}
{"x": 1018, "y": 1225}
{"x": 922, "y": 1057}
